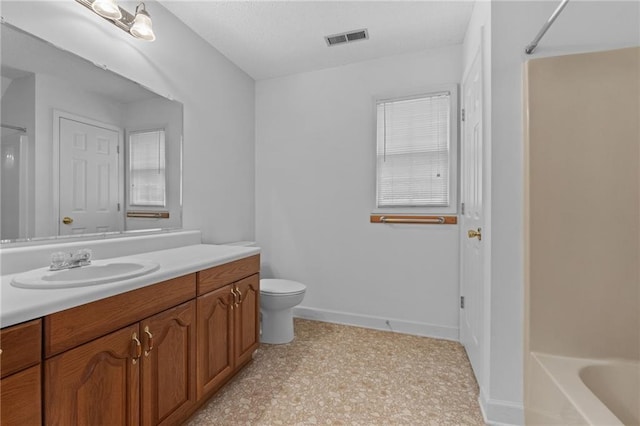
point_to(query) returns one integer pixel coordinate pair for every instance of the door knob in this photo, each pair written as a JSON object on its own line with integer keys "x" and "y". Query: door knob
{"x": 471, "y": 233}
{"x": 67, "y": 220}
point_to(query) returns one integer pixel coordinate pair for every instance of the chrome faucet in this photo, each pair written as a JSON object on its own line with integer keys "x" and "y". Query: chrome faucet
{"x": 61, "y": 260}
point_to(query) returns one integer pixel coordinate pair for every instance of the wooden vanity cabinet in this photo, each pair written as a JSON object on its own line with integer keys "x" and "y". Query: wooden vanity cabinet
{"x": 20, "y": 382}
{"x": 143, "y": 373}
{"x": 228, "y": 321}
{"x": 146, "y": 357}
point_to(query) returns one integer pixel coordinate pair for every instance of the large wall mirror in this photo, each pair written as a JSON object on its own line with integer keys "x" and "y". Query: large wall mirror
{"x": 84, "y": 150}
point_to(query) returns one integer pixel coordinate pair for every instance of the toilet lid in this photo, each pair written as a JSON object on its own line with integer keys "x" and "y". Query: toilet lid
{"x": 276, "y": 286}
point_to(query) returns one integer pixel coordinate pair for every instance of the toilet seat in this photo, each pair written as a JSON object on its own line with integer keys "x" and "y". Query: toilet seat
{"x": 278, "y": 287}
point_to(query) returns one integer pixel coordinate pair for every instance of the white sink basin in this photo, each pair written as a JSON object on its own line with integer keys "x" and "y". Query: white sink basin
{"x": 99, "y": 272}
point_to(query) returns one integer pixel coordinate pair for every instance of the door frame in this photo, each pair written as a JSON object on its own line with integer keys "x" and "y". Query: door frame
{"x": 55, "y": 166}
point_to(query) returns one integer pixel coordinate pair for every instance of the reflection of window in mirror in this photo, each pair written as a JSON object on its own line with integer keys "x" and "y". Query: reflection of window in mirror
{"x": 147, "y": 181}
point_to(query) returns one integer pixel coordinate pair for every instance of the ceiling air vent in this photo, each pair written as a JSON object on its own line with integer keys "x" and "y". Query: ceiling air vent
{"x": 347, "y": 37}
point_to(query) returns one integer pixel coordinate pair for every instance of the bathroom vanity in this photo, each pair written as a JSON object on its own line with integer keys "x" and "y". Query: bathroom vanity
{"x": 149, "y": 355}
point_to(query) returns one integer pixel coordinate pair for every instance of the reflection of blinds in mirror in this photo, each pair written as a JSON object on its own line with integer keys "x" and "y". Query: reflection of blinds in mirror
{"x": 147, "y": 183}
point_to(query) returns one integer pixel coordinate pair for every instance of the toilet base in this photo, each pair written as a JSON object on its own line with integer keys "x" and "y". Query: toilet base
{"x": 277, "y": 326}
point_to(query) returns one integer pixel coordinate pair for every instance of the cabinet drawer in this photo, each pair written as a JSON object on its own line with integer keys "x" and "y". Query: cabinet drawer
{"x": 67, "y": 329}
{"x": 20, "y": 399}
{"x": 21, "y": 346}
{"x": 219, "y": 276}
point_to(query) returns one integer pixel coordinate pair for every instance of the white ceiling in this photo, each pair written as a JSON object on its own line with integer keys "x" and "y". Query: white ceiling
{"x": 275, "y": 38}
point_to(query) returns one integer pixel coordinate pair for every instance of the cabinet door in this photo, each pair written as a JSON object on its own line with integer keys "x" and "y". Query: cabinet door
{"x": 247, "y": 326}
{"x": 96, "y": 383}
{"x": 215, "y": 339}
{"x": 21, "y": 403}
{"x": 168, "y": 365}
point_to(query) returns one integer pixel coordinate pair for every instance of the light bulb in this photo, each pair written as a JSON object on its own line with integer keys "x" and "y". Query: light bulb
{"x": 141, "y": 27}
{"x": 107, "y": 9}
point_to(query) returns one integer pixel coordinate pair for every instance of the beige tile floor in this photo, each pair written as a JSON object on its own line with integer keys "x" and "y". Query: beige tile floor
{"x": 340, "y": 375}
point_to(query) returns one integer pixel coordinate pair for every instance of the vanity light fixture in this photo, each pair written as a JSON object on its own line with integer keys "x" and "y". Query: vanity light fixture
{"x": 138, "y": 25}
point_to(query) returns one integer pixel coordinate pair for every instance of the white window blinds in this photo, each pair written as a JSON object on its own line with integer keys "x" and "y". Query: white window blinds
{"x": 413, "y": 139}
{"x": 147, "y": 169}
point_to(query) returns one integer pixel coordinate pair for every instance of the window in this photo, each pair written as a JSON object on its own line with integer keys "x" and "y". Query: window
{"x": 416, "y": 152}
{"x": 147, "y": 169}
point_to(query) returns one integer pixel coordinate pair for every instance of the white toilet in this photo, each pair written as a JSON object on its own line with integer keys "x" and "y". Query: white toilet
{"x": 277, "y": 299}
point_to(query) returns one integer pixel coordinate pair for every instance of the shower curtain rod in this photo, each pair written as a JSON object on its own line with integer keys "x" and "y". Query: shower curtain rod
{"x": 8, "y": 126}
{"x": 532, "y": 46}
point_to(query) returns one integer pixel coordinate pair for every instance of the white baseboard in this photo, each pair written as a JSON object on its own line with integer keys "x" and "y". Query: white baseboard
{"x": 378, "y": 323}
{"x": 500, "y": 413}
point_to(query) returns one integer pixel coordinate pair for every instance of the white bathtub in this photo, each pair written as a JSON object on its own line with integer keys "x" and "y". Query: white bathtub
{"x": 578, "y": 391}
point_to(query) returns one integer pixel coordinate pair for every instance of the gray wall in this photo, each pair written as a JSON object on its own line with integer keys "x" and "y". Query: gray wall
{"x": 315, "y": 169}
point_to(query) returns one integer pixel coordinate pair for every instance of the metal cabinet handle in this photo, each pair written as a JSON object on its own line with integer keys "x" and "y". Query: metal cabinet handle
{"x": 233, "y": 300}
{"x": 149, "y": 341}
{"x": 239, "y": 296}
{"x": 235, "y": 296}
{"x": 137, "y": 348}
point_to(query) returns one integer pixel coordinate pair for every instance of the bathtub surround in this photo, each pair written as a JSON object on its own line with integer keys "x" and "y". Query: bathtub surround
{"x": 583, "y": 201}
{"x": 336, "y": 374}
{"x": 583, "y": 158}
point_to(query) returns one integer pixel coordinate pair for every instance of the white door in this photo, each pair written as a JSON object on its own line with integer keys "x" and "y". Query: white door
{"x": 88, "y": 185}
{"x": 472, "y": 245}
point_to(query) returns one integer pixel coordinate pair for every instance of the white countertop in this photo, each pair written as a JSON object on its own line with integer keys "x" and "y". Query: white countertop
{"x": 18, "y": 305}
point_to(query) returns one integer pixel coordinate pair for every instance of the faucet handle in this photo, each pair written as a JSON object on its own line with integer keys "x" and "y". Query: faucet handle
{"x": 84, "y": 256}
{"x": 59, "y": 260}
